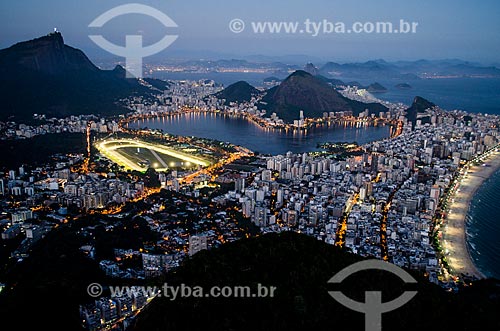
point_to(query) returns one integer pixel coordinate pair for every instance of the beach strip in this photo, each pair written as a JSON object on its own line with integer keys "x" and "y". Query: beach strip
{"x": 454, "y": 241}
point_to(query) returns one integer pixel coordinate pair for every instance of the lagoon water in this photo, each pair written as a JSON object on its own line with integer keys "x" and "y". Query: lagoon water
{"x": 240, "y": 131}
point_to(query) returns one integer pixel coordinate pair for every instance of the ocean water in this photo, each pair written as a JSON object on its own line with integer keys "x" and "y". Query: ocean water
{"x": 483, "y": 227}
{"x": 470, "y": 94}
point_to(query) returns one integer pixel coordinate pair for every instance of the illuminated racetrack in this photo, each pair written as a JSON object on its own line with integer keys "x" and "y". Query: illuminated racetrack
{"x": 110, "y": 149}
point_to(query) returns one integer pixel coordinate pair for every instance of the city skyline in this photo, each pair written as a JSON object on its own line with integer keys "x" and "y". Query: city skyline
{"x": 264, "y": 165}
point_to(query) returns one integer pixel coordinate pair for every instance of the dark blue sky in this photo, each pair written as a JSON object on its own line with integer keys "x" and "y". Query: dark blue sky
{"x": 447, "y": 28}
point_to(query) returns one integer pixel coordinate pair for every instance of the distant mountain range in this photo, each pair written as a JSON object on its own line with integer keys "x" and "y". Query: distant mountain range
{"x": 373, "y": 88}
{"x": 45, "y": 76}
{"x": 374, "y": 70}
{"x": 367, "y": 70}
{"x": 407, "y": 70}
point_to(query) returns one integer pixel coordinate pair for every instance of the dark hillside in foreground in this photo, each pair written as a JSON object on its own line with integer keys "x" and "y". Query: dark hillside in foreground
{"x": 300, "y": 266}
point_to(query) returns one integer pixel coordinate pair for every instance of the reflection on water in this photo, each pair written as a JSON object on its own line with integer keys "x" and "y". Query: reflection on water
{"x": 240, "y": 131}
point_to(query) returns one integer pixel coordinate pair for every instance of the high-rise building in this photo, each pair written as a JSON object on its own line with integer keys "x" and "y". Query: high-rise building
{"x": 12, "y": 232}
{"x": 175, "y": 184}
{"x": 369, "y": 188}
{"x": 29, "y": 191}
{"x": 266, "y": 175}
{"x": 259, "y": 196}
{"x": 91, "y": 316}
{"x": 239, "y": 185}
{"x": 435, "y": 194}
{"x": 362, "y": 194}
{"x": 247, "y": 207}
{"x": 154, "y": 265}
{"x": 251, "y": 193}
{"x": 260, "y": 216}
{"x": 270, "y": 164}
{"x": 124, "y": 305}
{"x": 34, "y": 232}
{"x": 291, "y": 217}
{"x": 108, "y": 309}
{"x": 16, "y": 190}
{"x": 374, "y": 164}
{"x": 314, "y": 214}
{"x": 279, "y": 197}
{"x": 21, "y": 216}
{"x": 196, "y": 244}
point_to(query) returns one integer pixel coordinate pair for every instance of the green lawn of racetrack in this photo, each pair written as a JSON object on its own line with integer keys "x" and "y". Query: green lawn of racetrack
{"x": 145, "y": 154}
